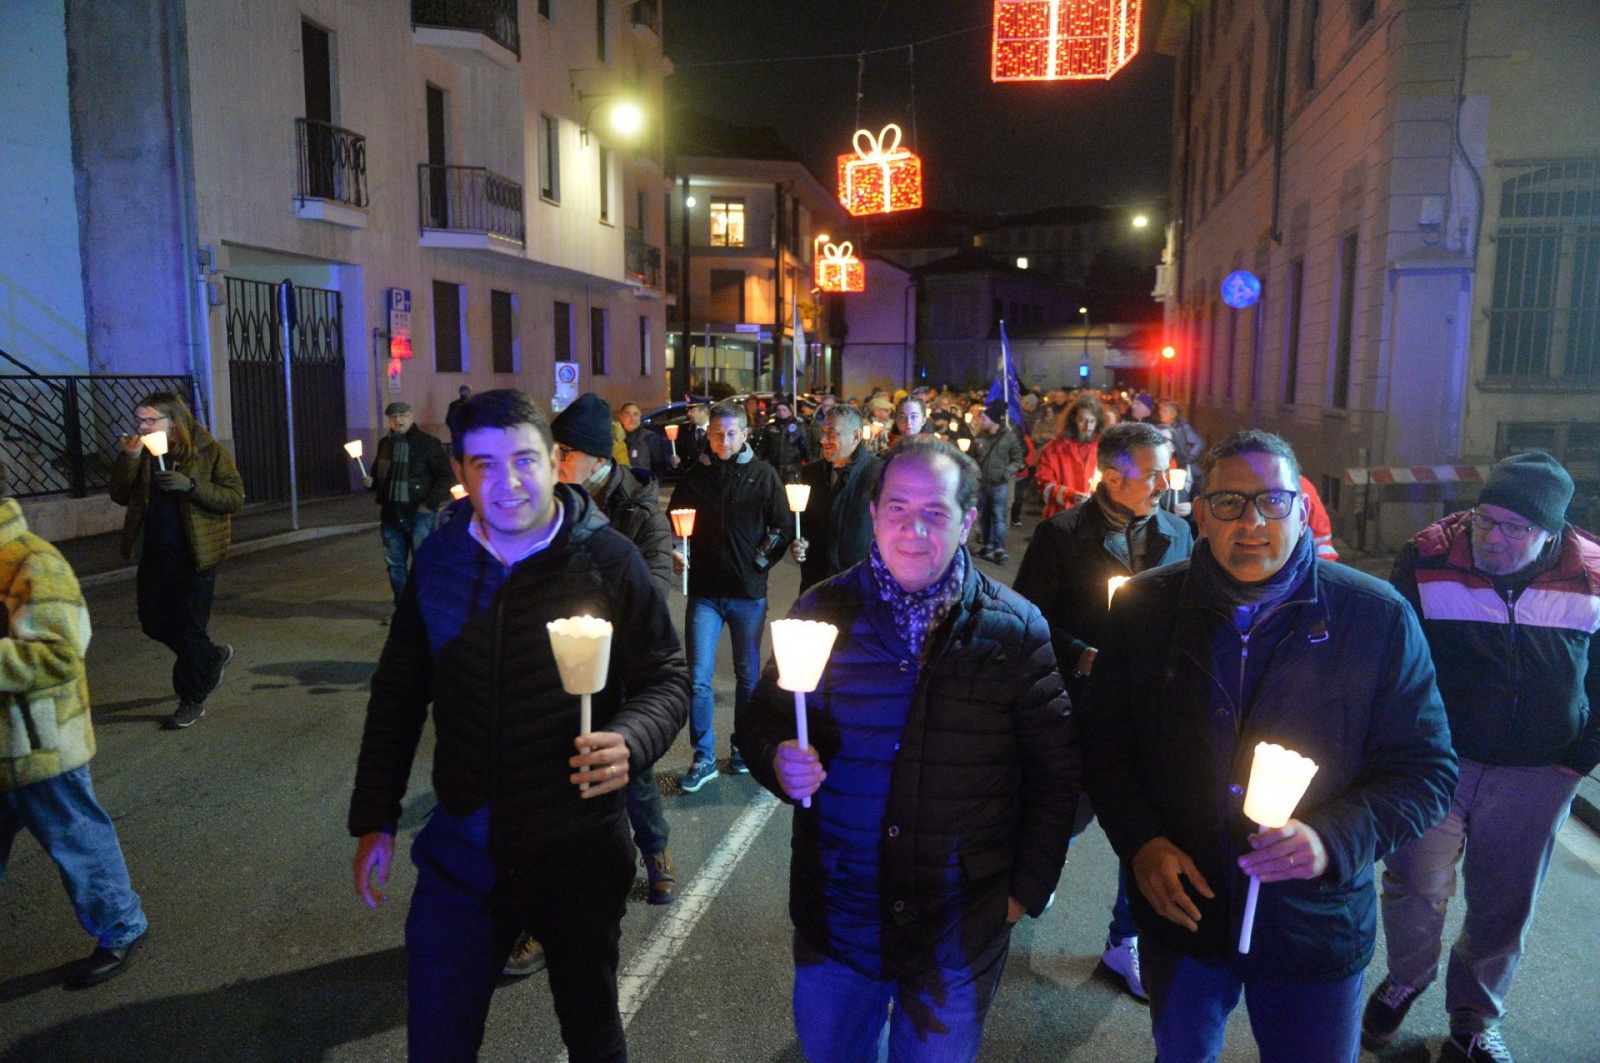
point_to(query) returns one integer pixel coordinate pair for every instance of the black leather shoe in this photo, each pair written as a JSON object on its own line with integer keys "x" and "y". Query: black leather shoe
{"x": 102, "y": 964}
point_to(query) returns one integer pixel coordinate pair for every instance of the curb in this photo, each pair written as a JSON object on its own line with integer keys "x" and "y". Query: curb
{"x": 251, "y": 546}
{"x": 1586, "y": 806}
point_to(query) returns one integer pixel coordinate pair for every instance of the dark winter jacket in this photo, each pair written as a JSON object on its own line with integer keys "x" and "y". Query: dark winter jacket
{"x": 742, "y": 524}
{"x": 837, "y": 528}
{"x": 785, "y": 446}
{"x": 427, "y": 469}
{"x": 631, "y": 501}
{"x": 980, "y": 750}
{"x": 1338, "y": 671}
{"x": 1518, "y": 661}
{"x": 206, "y": 511}
{"x": 999, "y": 456}
{"x": 647, "y": 450}
{"x": 1068, "y": 567}
{"x": 469, "y": 636}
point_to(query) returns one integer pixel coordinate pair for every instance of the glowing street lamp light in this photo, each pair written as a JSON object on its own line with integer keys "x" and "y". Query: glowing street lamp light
{"x": 353, "y": 448}
{"x": 799, "y": 495}
{"x": 1278, "y": 780}
{"x": 582, "y": 647}
{"x": 1140, "y": 221}
{"x": 156, "y": 444}
{"x": 801, "y": 648}
{"x": 627, "y": 118}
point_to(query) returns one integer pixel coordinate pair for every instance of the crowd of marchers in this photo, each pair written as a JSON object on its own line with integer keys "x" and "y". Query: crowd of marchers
{"x": 1177, "y": 606}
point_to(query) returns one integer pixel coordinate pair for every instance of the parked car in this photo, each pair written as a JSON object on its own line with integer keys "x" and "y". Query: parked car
{"x": 657, "y": 420}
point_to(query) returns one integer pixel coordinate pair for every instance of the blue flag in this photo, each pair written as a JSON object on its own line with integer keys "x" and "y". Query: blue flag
{"x": 1005, "y": 380}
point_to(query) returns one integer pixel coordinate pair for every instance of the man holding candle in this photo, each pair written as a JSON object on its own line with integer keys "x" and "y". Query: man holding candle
{"x": 1507, "y": 596}
{"x": 1253, "y": 639}
{"x": 1119, "y": 532}
{"x": 836, "y": 525}
{"x": 411, "y": 477}
{"x": 942, "y": 775}
{"x": 514, "y": 844}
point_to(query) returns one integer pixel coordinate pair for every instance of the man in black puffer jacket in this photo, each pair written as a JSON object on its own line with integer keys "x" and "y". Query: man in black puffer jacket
{"x": 942, "y": 777}
{"x": 1251, "y": 640}
{"x": 836, "y": 526}
{"x": 513, "y": 843}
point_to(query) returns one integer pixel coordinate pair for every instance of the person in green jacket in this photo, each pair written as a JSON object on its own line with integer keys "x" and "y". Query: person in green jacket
{"x": 178, "y": 528}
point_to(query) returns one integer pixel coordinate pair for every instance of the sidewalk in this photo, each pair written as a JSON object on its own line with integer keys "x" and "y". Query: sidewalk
{"x": 97, "y": 559}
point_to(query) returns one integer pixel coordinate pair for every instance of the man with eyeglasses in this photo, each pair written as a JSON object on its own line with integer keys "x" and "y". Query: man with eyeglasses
{"x": 1251, "y": 640}
{"x": 1506, "y": 592}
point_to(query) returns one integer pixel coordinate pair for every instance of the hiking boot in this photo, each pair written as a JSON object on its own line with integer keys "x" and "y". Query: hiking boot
{"x": 1386, "y": 1010}
{"x": 663, "y": 884}
{"x": 187, "y": 713}
{"x": 699, "y": 773}
{"x": 736, "y": 764}
{"x": 224, "y": 657}
{"x": 1485, "y": 1046}
{"x": 101, "y": 964}
{"x": 1123, "y": 960}
{"x": 527, "y": 956}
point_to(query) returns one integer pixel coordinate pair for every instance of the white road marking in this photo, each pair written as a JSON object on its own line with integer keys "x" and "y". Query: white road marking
{"x": 671, "y": 934}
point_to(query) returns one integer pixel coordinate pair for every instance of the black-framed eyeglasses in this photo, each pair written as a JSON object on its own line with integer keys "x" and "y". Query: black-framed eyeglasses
{"x": 142, "y": 421}
{"x": 1485, "y": 523}
{"x": 1229, "y": 505}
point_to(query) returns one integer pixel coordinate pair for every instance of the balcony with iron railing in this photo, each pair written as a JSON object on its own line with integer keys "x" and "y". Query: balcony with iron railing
{"x": 470, "y": 207}
{"x": 643, "y": 261}
{"x": 331, "y": 174}
{"x": 473, "y": 31}
{"x": 647, "y": 16}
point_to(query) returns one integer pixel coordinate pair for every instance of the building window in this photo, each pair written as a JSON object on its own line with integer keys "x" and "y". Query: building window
{"x": 550, "y": 157}
{"x": 449, "y": 341}
{"x": 503, "y": 331}
{"x": 727, "y": 223}
{"x": 599, "y": 341}
{"x": 1241, "y": 140}
{"x": 1309, "y": 11}
{"x": 644, "y": 345}
{"x": 1223, "y": 128}
{"x": 316, "y": 58}
{"x": 1544, "y": 317}
{"x": 1344, "y": 339}
{"x": 544, "y": 8}
{"x": 1293, "y": 297}
{"x": 600, "y": 29}
{"x": 563, "y": 334}
{"x": 605, "y": 184}
{"x": 1364, "y": 11}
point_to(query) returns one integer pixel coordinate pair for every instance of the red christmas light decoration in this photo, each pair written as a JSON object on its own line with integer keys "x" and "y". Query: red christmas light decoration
{"x": 839, "y": 270}
{"x": 1063, "y": 40}
{"x": 881, "y": 177}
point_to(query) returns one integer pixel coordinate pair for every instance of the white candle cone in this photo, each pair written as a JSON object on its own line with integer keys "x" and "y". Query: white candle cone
{"x": 353, "y": 448}
{"x": 672, "y": 432}
{"x": 458, "y": 491}
{"x": 156, "y": 444}
{"x": 1177, "y": 479}
{"x": 964, "y": 444}
{"x": 801, "y": 648}
{"x": 1113, "y": 585}
{"x": 1278, "y": 780}
{"x": 799, "y": 495}
{"x": 582, "y": 645}
{"x": 1094, "y": 481}
{"x": 683, "y": 527}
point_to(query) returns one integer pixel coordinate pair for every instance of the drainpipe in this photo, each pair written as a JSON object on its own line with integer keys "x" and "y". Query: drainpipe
{"x": 194, "y": 289}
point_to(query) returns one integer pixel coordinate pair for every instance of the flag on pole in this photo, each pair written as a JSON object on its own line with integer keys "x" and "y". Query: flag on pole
{"x": 799, "y": 348}
{"x": 1005, "y": 381}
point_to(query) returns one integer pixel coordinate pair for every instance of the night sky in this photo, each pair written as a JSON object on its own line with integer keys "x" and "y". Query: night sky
{"x": 985, "y": 147}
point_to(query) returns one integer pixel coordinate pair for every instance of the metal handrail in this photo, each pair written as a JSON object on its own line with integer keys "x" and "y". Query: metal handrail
{"x": 495, "y": 19}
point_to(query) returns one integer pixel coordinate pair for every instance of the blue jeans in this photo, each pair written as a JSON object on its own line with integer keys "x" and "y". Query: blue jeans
{"x": 63, "y": 814}
{"x": 458, "y": 937}
{"x": 994, "y": 516}
{"x": 401, "y": 538}
{"x": 1122, "y": 925}
{"x": 703, "y": 620}
{"x": 644, "y": 813}
{"x": 842, "y": 1016}
{"x": 1293, "y": 1022}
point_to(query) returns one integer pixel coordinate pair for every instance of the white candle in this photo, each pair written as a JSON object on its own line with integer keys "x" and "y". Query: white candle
{"x": 1177, "y": 479}
{"x": 1113, "y": 585}
{"x": 353, "y": 448}
{"x": 458, "y": 492}
{"x": 683, "y": 527}
{"x": 1278, "y": 780}
{"x": 964, "y": 444}
{"x": 799, "y": 495}
{"x": 582, "y": 647}
{"x": 801, "y": 648}
{"x": 156, "y": 444}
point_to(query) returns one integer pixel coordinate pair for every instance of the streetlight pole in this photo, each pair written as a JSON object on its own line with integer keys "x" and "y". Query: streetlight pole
{"x": 1084, "y": 310}
{"x": 684, "y": 365}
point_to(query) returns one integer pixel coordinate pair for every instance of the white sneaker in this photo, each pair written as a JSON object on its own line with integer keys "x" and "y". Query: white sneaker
{"x": 527, "y": 956}
{"x": 1123, "y": 959}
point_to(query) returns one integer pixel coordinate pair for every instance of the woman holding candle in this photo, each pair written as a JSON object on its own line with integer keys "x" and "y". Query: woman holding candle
{"x": 178, "y": 528}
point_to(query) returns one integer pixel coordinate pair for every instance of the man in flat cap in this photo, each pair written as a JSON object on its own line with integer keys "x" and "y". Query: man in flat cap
{"x": 411, "y": 477}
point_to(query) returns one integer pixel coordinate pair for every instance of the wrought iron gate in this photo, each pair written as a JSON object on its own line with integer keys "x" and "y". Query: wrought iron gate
{"x": 255, "y": 366}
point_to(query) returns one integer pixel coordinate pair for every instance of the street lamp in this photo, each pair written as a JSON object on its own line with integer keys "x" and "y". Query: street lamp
{"x": 1140, "y": 221}
{"x": 1083, "y": 369}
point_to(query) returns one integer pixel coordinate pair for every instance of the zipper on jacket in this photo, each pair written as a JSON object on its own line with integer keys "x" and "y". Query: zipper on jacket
{"x": 1516, "y": 663}
{"x": 1244, "y": 658}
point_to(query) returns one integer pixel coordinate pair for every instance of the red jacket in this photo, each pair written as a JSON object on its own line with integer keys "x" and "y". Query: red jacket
{"x": 1065, "y": 468}
{"x": 1321, "y": 526}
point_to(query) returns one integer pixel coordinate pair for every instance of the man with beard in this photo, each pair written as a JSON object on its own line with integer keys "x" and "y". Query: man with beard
{"x": 836, "y": 526}
{"x": 1068, "y": 462}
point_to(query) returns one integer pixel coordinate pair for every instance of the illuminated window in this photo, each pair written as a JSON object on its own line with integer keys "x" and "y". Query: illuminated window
{"x": 727, "y": 223}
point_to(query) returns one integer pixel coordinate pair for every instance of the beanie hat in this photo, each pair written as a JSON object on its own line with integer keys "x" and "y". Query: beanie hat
{"x": 1144, "y": 399}
{"x": 585, "y": 426}
{"x": 996, "y": 411}
{"x": 1531, "y": 485}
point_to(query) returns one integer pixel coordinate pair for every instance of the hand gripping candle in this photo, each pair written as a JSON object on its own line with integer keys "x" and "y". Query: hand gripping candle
{"x": 1278, "y": 780}
{"x": 801, "y": 648}
{"x": 582, "y": 647}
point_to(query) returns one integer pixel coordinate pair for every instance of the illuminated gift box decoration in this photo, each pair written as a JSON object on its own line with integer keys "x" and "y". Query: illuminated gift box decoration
{"x": 839, "y": 270}
{"x": 1063, "y": 40}
{"x": 881, "y": 177}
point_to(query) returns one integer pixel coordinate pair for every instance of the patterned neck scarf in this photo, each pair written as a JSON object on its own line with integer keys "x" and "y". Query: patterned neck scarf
{"x": 918, "y": 612}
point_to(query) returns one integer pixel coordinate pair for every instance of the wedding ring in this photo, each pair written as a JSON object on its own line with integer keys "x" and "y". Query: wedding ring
{"x": 611, "y": 773}
{"x": 1291, "y": 859}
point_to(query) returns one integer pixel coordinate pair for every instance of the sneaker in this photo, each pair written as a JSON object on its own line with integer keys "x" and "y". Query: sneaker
{"x": 1123, "y": 960}
{"x": 527, "y": 956}
{"x": 1486, "y": 1046}
{"x": 226, "y": 656}
{"x": 981, "y": 555}
{"x": 187, "y": 713}
{"x": 1386, "y": 1010}
{"x": 699, "y": 773}
{"x": 663, "y": 884}
{"x": 101, "y": 964}
{"x": 1000, "y": 558}
{"x": 736, "y": 764}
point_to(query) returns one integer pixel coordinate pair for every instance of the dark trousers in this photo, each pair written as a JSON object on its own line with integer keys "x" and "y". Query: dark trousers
{"x": 644, "y": 813}
{"x": 458, "y": 937}
{"x": 174, "y": 609}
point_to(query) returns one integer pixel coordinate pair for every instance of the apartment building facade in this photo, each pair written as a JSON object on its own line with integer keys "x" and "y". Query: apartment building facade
{"x": 1415, "y": 185}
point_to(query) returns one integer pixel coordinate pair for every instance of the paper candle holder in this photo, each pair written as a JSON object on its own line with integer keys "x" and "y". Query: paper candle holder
{"x": 582, "y": 646}
{"x": 353, "y": 448}
{"x": 964, "y": 444}
{"x": 672, "y": 432}
{"x": 156, "y": 444}
{"x": 458, "y": 492}
{"x": 799, "y": 495}
{"x": 802, "y": 648}
{"x": 682, "y": 522}
{"x": 1278, "y": 780}
{"x": 1177, "y": 479}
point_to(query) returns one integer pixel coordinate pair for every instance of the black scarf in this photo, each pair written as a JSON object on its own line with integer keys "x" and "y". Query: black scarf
{"x": 1216, "y": 585}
